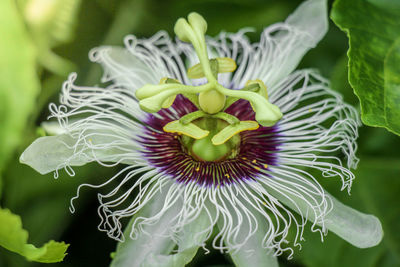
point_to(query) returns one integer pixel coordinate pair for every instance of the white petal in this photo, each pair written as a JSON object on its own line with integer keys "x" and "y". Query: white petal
{"x": 175, "y": 260}
{"x": 306, "y": 27}
{"x": 310, "y": 17}
{"x": 282, "y": 45}
{"x": 260, "y": 257}
{"x": 359, "y": 229}
{"x": 252, "y": 252}
{"x": 187, "y": 245}
{"x": 123, "y": 67}
{"x": 107, "y": 133}
{"x": 153, "y": 245}
{"x": 142, "y": 61}
{"x": 50, "y": 153}
{"x": 52, "y": 128}
{"x": 313, "y": 132}
{"x": 155, "y": 240}
{"x": 248, "y": 223}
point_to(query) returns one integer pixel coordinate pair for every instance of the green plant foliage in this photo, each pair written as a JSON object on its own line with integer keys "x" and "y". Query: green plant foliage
{"x": 374, "y": 33}
{"x": 26, "y": 90}
{"x": 376, "y": 186}
{"x": 392, "y": 85}
{"x": 19, "y": 84}
{"x": 51, "y": 24}
{"x": 14, "y": 238}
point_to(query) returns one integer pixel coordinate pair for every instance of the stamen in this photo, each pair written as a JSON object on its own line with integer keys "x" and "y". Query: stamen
{"x": 170, "y": 100}
{"x": 267, "y": 114}
{"x": 262, "y": 88}
{"x": 209, "y": 122}
{"x": 153, "y": 96}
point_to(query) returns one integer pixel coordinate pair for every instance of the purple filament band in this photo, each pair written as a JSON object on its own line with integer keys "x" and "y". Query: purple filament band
{"x": 165, "y": 152}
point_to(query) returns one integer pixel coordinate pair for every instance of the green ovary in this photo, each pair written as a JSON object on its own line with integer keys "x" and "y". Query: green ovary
{"x": 203, "y": 149}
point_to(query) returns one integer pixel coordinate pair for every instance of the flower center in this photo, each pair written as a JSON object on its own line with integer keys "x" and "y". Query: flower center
{"x": 208, "y": 134}
{"x": 204, "y": 149}
{"x": 186, "y": 159}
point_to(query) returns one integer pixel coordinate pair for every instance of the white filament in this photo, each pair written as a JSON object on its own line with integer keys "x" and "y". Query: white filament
{"x": 317, "y": 128}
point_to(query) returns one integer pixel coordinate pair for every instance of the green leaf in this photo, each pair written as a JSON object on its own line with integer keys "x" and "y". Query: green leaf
{"x": 51, "y": 24}
{"x": 340, "y": 82}
{"x": 19, "y": 84}
{"x": 374, "y": 31}
{"x": 390, "y": 5}
{"x": 14, "y": 238}
{"x": 392, "y": 85}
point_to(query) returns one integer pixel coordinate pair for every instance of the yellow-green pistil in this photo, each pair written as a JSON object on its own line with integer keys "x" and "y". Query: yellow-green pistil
{"x": 208, "y": 134}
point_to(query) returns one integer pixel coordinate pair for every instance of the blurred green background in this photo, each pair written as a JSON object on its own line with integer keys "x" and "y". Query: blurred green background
{"x": 42, "y": 43}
